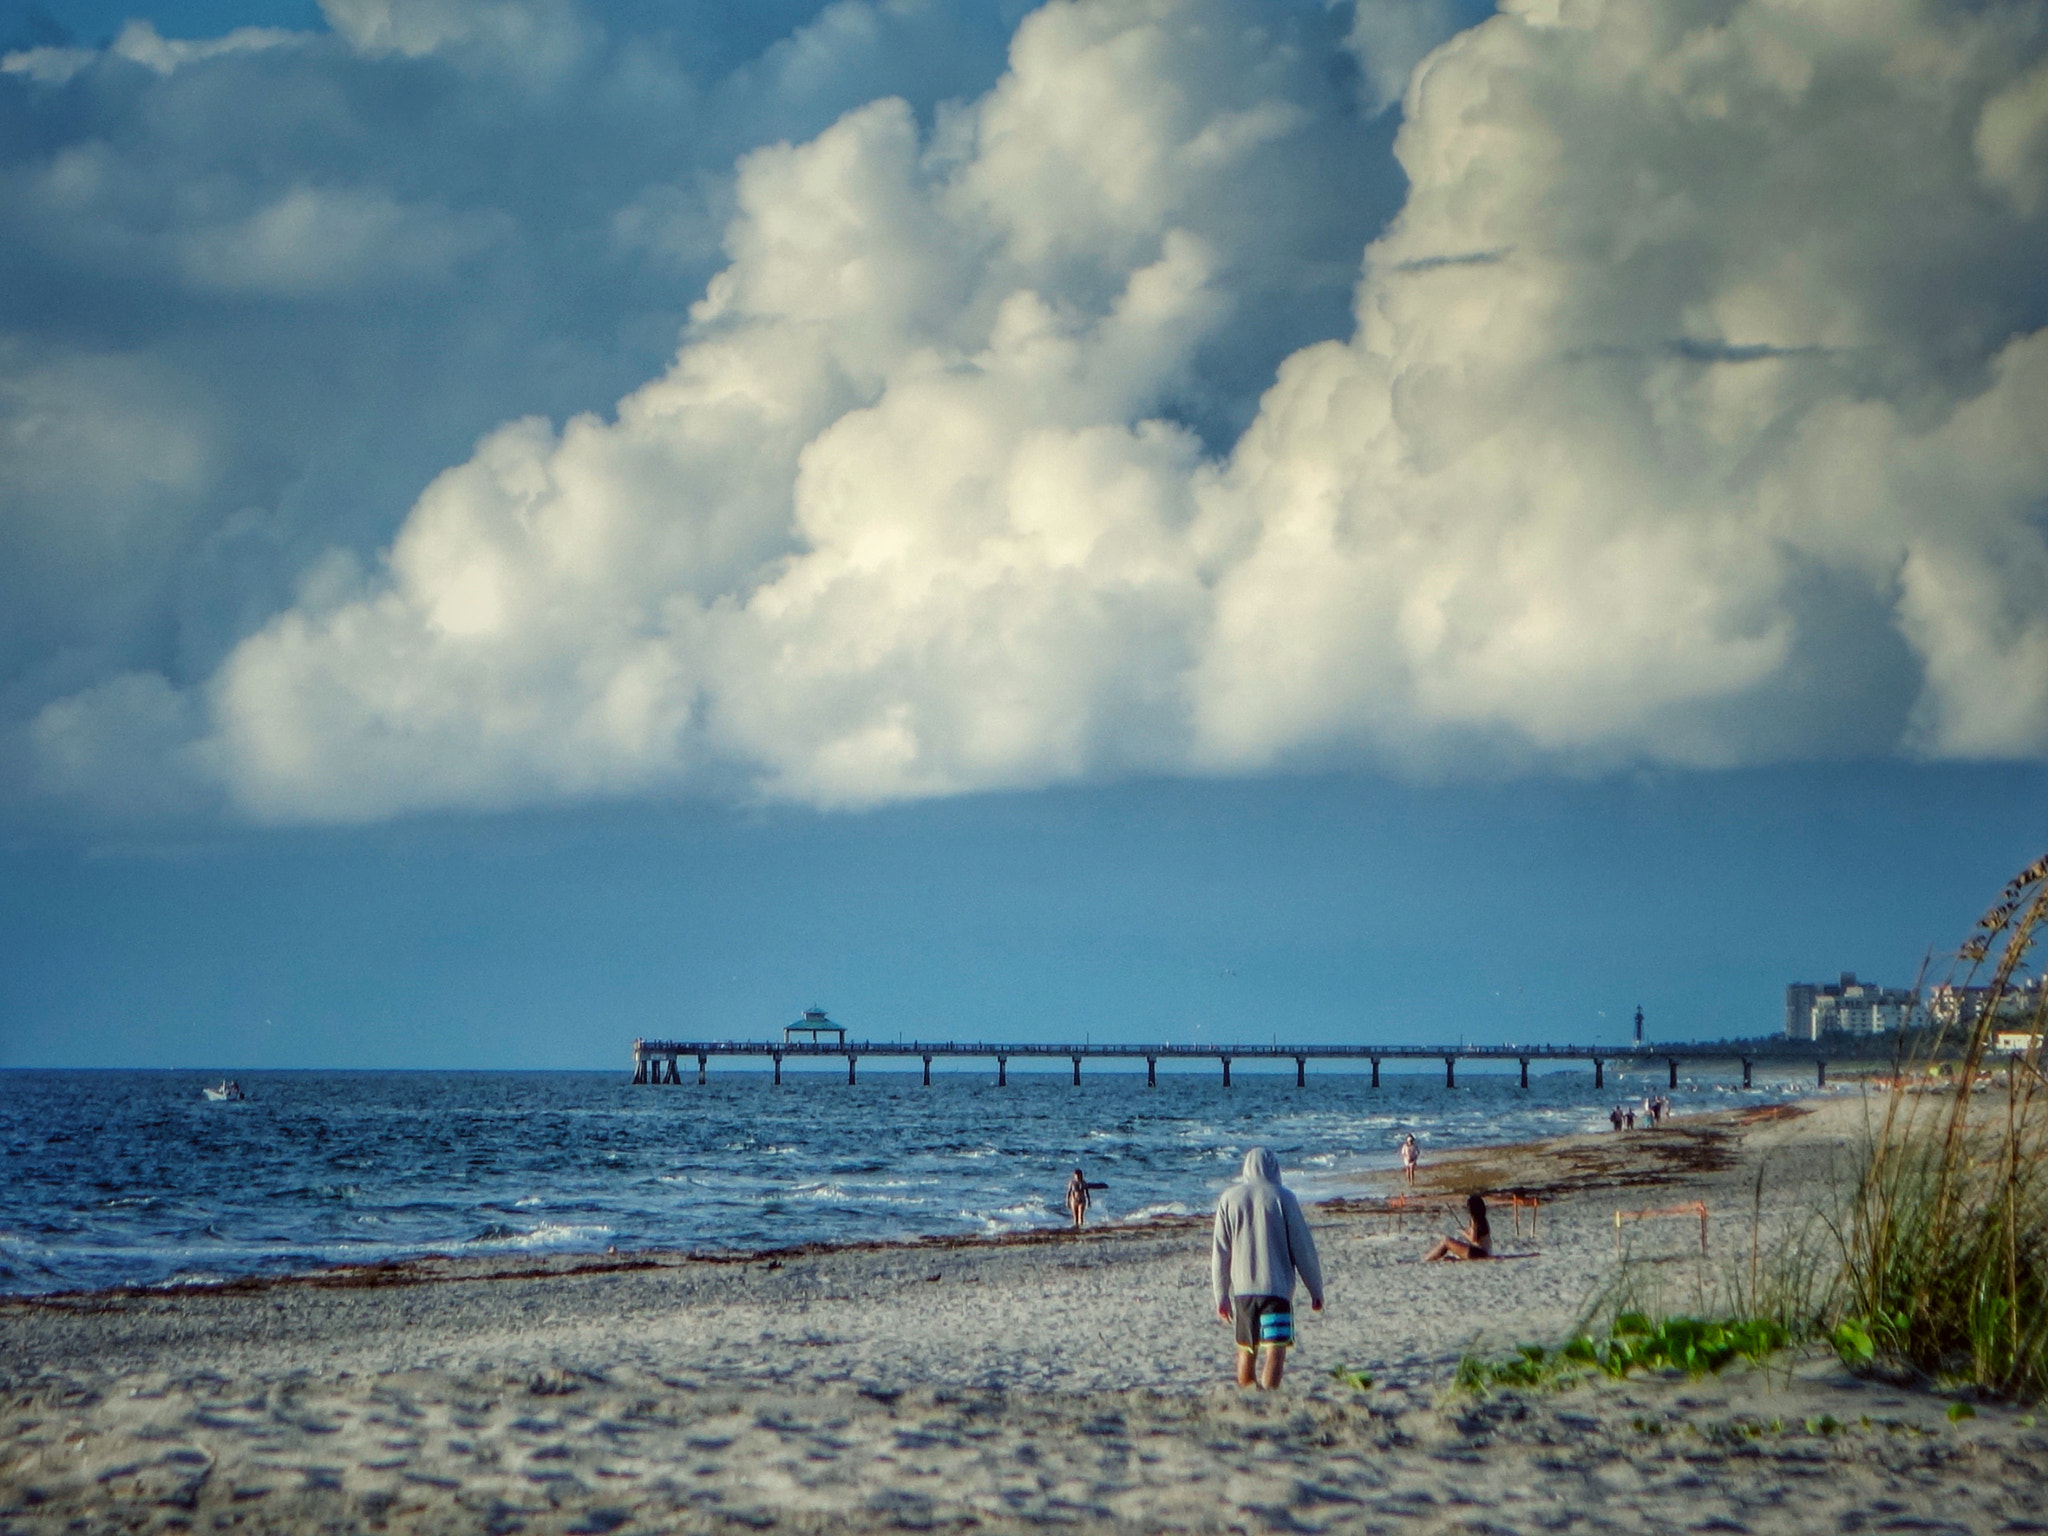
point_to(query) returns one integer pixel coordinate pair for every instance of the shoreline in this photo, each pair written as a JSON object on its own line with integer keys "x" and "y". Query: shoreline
{"x": 995, "y": 1384}
{"x": 1605, "y": 1159}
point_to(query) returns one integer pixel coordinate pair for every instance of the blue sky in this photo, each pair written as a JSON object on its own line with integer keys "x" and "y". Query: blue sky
{"x": 525, "y": 523}
{"x": 1336, "y": 908}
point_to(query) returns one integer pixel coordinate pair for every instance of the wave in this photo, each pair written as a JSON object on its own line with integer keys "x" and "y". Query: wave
{"x": 548, "y": 1234}
{"x": 1161, "y": 1210}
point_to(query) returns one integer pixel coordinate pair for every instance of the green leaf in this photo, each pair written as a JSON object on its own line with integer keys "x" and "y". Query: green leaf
{"x": 1852, "y": 1341}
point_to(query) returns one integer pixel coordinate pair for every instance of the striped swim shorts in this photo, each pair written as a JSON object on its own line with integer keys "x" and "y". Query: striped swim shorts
{"x": 1262, "y": 1322}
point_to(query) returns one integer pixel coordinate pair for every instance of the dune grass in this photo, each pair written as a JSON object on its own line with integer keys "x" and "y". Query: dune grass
{"x": 1946, "y": 1245}
{"x": 1935, "y": 1265}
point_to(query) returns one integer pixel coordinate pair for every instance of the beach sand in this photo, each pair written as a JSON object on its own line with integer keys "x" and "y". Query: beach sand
{"x": 1072, "y": 1380}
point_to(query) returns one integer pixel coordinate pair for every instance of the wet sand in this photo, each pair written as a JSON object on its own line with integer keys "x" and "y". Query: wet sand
{"x": 1051, "y": 1380}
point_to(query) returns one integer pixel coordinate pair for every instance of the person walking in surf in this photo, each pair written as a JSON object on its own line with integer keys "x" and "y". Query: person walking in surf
{"x": 1077, "y": 1198}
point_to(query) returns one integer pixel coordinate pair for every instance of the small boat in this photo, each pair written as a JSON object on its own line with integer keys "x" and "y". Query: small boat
{"x": 228, "y": 1089}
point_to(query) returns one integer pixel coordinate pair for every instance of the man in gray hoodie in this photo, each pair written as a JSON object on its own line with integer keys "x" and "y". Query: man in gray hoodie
{"x": 1262, "y": 1243}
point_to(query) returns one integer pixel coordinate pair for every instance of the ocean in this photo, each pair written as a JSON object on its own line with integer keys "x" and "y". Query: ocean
{"x": 134, "y": 1178}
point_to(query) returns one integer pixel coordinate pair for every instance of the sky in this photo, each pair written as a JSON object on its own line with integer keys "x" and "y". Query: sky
{"x": 526, "y": 523}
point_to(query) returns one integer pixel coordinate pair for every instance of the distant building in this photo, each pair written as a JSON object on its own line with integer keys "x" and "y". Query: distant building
{"x": 1799, "y": 1010}
{"x": 1951, "y": 1005}
{"x": 1849, "y": 1007}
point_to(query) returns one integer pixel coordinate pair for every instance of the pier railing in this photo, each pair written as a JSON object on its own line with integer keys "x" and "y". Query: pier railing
{"x": 656, "y": 1061}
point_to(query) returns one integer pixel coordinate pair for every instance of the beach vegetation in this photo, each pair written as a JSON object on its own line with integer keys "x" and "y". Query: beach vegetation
{"x": 1532, "y": 1367}
{"x": 1635, "y": 1342}
{"x": 1697, "y": 1346}
{"x": 1783, "y": 1279}
{"x": 1792, "y": 1279}
{"x": 1946, "y": 1241}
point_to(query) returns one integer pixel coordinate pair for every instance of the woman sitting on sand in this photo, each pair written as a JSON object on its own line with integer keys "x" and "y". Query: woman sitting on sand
{"x": 1475, "y": 1242}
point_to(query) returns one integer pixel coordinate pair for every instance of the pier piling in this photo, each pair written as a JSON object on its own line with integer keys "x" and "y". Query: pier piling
{"x": 778, "y": 1069}
{"x": 1745, "y": 1071}
{"x": 1226, "y": 1070}
{"x": 1077, "y": 1071}
{"x": 850, "y": 1060}
{"x": 1151, "y": 1071}
{"x": 701, "y": 1060}
{"x": 927, "y": 1071}
{"x": 1599, "y": 1074}
{"x": 1525, "y": 1070}
{"x": 1672, "y": 1063}
{"x": 1450, "y": 1071}
{"x": 1301, "y": 1071}
{"x": 1002, "y": 1071}
{"x": 1375, "y": 1071}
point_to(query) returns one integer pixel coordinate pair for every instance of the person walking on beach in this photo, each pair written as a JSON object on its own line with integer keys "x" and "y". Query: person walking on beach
{"x": 1409, "y": 1156}
{"x": 1077, "y": 1198}
{"x": 1262, "y": 1242}
{"x": 1615, "y": 1117}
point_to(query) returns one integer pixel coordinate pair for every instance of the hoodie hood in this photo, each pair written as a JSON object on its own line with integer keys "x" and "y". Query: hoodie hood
{"x": 1261, "y": 1166}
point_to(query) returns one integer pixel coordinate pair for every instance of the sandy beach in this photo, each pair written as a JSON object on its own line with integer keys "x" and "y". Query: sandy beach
{"x": 1054, "y": 1379}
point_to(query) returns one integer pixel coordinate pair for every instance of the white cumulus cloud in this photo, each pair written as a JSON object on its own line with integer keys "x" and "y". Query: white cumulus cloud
{"x": 1692, "y": 414}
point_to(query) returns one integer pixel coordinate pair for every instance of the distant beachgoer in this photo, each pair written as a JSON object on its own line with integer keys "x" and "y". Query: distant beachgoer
{"x": 1077, "y": 1198}
{"x": 1615, "y": 1116}
{"x": 1475, "y": 1242}
{"x": 1261, "y": 1244}
{"x": 1663, "y": 1109}
{"x": 1409, "y": 1156}
{"x": 1628, "y": 1118}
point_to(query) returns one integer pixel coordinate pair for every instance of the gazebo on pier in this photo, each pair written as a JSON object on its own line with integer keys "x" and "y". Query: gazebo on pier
{"x": 814, "y": 1024}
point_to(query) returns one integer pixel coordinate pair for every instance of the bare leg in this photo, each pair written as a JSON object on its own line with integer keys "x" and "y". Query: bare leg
{"x": 1442, "y": 1250}
{"x": 1271, "y": 1363}
{"x": 1244, "y": 1367}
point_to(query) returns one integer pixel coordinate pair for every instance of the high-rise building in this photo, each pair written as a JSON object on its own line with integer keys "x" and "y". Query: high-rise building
{"x": 1799, "y": 1009}
{"x": 1849, "y": 1007}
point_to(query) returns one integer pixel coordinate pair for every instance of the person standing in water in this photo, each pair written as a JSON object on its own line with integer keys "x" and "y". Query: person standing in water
{"x": 1077, "y": 1198}
{"x": 1261, "y": 1244}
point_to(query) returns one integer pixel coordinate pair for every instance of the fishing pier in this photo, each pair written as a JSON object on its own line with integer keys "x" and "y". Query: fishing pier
{"x": 659, "y": 1061}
